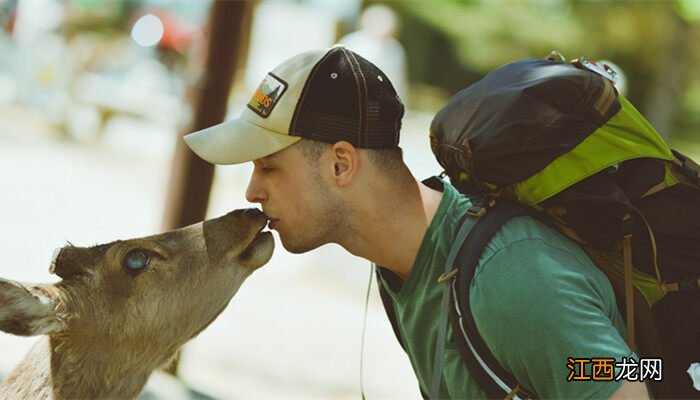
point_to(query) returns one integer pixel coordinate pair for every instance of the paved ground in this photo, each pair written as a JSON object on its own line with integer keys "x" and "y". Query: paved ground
{"x": 292, "y": 331}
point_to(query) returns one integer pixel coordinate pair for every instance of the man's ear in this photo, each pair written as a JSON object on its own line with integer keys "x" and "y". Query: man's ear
{"x": 344, "y": 157}
{"x": 27, "y": 310}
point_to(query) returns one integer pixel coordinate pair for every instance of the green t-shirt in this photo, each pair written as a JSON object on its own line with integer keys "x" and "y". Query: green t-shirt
{"x": 536, "y": 297}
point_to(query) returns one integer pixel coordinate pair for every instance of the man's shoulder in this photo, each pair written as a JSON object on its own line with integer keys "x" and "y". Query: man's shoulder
{"x": 523, "y": 240}
{"x": 536, "y": 295}
{"x": 526, "y": 235}
{"x": 526, "y": 253}
{"x": 534, "y": 236}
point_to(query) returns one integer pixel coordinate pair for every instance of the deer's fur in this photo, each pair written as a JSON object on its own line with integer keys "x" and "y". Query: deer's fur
{"x": 106, "y": 329}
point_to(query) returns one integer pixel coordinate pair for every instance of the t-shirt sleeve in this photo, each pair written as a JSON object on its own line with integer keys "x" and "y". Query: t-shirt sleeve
{"x": 537, "y": 305}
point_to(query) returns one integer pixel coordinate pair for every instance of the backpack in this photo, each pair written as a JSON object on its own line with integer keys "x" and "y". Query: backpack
{"x": 555, "y": 140}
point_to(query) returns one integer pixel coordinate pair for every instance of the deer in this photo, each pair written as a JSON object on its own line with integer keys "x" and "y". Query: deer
{"x": 123, "y": 309}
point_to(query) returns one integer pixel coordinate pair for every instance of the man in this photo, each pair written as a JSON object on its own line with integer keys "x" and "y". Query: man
{"x": 322, "y": 131}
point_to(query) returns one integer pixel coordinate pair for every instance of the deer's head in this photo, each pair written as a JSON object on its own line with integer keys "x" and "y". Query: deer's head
{"x": 155, "y": 292}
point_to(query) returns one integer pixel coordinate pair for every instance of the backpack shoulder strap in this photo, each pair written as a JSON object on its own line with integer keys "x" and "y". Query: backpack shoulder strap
{"x": 482, "y": 365}
{"x": 388, "y": 306}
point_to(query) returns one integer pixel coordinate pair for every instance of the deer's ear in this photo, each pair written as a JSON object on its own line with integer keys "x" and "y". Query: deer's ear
{"x": 68, "y": 261}
{"x": 27, "y": 310}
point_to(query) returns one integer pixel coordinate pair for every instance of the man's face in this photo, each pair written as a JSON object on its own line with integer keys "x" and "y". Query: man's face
{"x": 296, "y": 195}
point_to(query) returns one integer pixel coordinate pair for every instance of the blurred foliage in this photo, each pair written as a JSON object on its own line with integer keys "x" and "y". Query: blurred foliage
{"x": 99, "y": 16}
{"x": 111, "y": 22}
{"x": 452, "y": 43}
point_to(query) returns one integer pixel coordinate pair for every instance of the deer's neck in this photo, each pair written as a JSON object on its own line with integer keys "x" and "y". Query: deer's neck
{"x": 85, "y": 370}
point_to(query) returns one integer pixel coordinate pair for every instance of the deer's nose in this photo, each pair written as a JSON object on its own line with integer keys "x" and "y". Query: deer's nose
{"x": 250, "y": 213}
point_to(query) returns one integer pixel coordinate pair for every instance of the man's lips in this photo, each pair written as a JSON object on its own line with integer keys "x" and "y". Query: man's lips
{"x": 272, "y": 222}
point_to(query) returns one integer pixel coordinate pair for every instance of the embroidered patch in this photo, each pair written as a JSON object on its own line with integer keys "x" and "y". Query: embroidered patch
{"x": 267, "y": 95}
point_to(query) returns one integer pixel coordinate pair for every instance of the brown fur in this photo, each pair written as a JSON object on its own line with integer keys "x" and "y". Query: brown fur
{"x": 108, "y": 328}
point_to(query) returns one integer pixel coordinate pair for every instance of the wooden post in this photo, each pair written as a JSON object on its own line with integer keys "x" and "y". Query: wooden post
{"x": 191, "y": 177}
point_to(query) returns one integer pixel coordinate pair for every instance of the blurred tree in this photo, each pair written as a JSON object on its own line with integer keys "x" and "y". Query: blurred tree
{"x": 453, "y": 43}
{"x": 105, "y": 17}
{"x": 664, "y": 99}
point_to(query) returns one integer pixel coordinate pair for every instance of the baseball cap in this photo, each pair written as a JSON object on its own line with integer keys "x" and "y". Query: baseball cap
{"x": 327, "y": 95}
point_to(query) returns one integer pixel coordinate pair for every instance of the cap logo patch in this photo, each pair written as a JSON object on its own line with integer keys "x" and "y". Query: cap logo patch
{"x": 267, "y": 95}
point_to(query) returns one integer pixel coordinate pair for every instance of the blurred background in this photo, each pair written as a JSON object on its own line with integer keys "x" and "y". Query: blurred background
{"x": 95, "y": 96}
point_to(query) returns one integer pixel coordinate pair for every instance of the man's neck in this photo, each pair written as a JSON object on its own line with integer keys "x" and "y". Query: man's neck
{"x": 391, "y": 226}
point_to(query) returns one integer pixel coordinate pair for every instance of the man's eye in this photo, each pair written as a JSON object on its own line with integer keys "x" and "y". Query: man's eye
{"x": 267, "y": 170}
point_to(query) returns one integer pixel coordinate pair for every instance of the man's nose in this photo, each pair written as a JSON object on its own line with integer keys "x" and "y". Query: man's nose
{"x": 253, "y": 193}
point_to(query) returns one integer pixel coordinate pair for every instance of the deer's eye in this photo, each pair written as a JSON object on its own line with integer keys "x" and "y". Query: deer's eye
{"x": 136, "y": 260}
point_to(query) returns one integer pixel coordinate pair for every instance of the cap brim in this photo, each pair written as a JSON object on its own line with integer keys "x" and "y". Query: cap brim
{"x": 237, "y": 141}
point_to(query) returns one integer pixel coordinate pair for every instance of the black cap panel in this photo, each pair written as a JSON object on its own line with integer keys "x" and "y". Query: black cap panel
{"x": 347, "y": 98}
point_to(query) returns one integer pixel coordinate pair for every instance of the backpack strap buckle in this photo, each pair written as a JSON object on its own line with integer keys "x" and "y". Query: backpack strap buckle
{"x": 447, "y": 276}
{"x": 476, "y": 211}
{"x": 481, "y": 206}
{"x": 518, "y": 393}
{"x": 627, "y": 226}
{"x": 603, "y": 70}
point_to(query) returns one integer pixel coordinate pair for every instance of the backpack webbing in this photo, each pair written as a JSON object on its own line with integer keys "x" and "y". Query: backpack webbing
{"x": 495, "y": 381}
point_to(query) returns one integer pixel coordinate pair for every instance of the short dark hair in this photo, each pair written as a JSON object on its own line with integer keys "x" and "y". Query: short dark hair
{"x": 390, "y": 159}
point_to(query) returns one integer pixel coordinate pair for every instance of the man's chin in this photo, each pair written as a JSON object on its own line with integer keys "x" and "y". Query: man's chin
{"x": 297, "y": 248}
